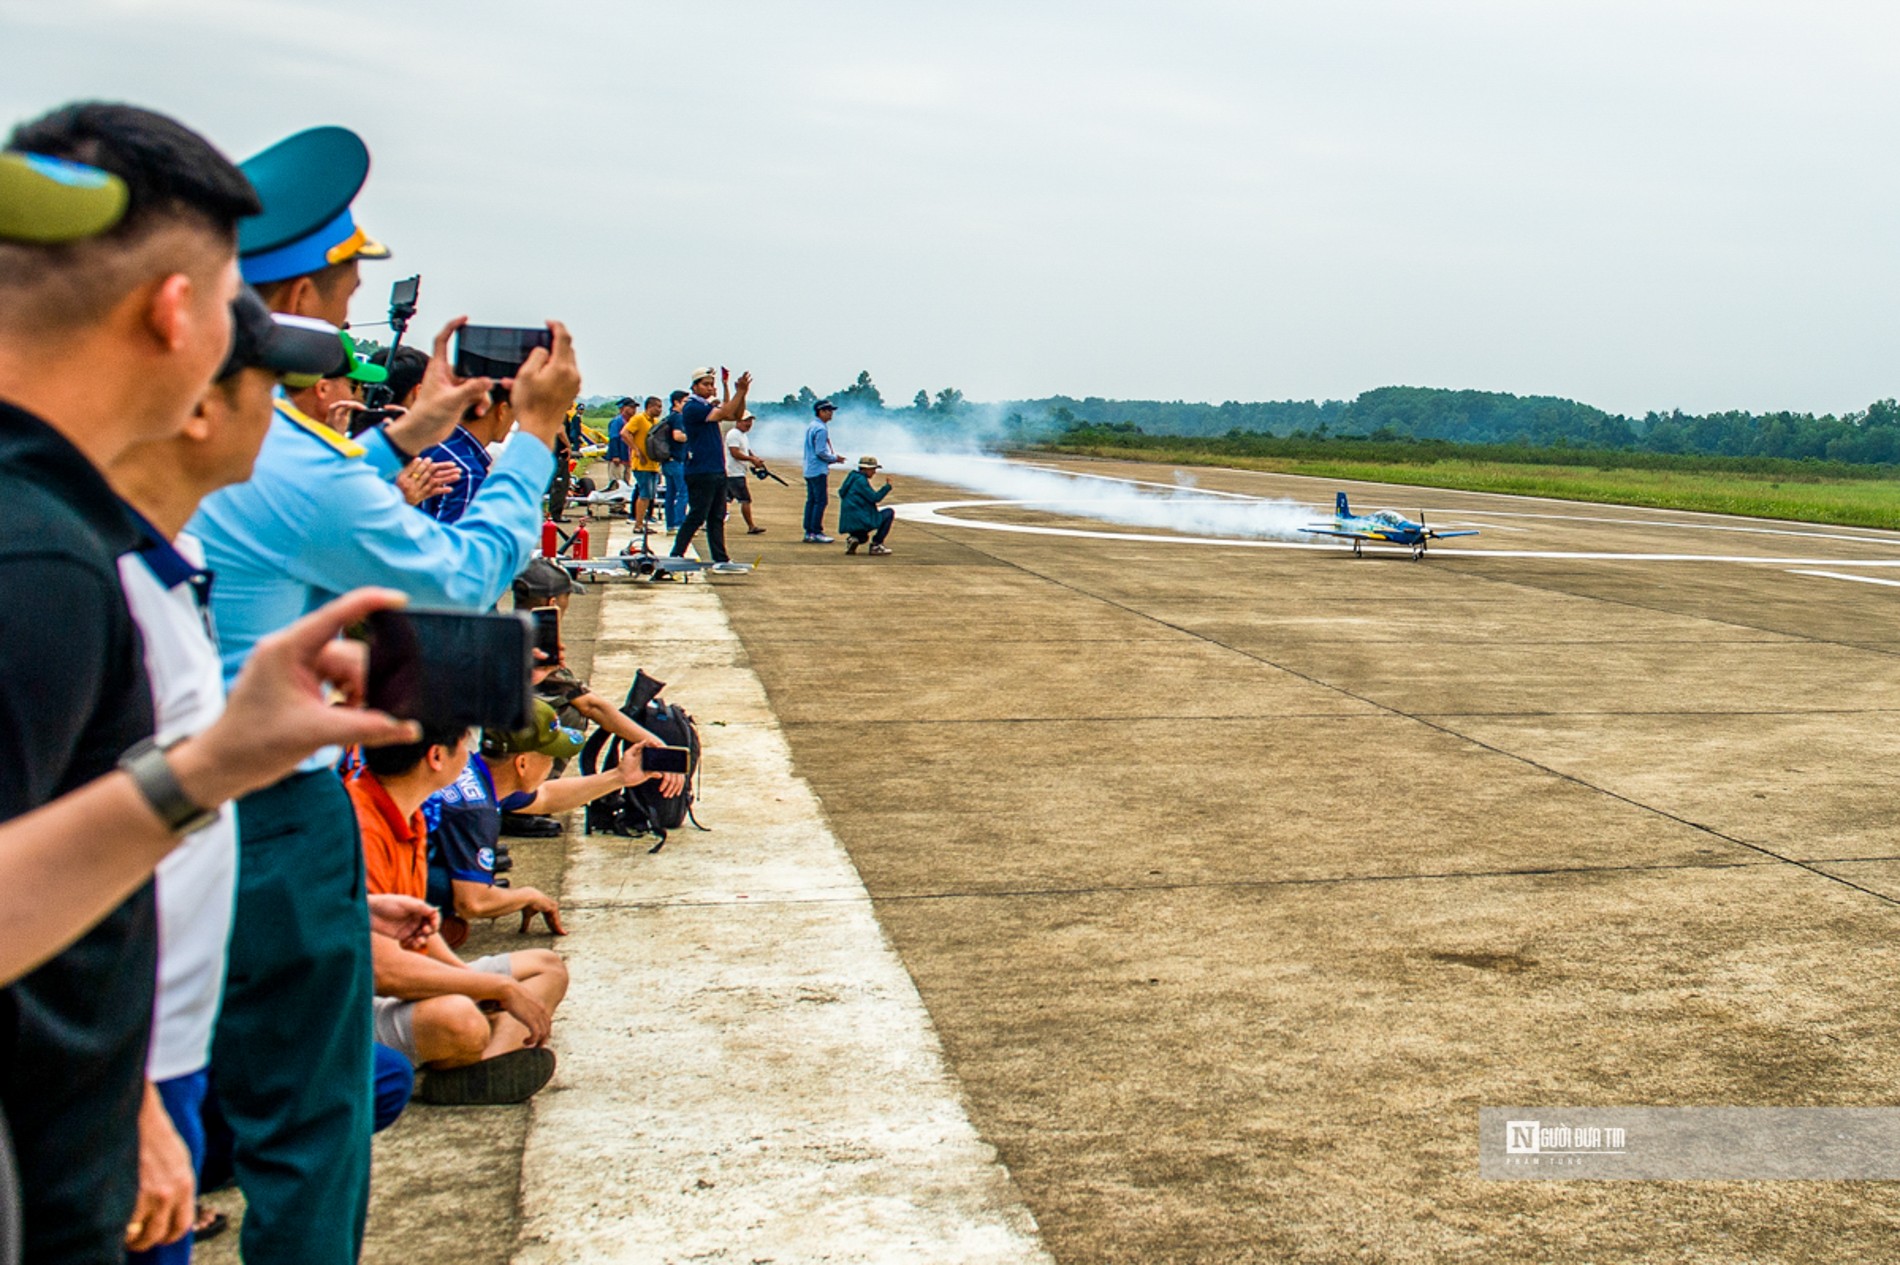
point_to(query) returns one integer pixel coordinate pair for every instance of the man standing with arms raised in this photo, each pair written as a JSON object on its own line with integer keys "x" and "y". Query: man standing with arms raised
{"x": 291, "y": 1054}
{"x": 706, "y": 465}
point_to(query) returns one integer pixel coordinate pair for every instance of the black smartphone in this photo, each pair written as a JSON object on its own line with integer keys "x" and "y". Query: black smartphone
{"x": 547, "y": 634}
{"x": 364, "y": 419}
{"x": 666, "y": 759}
{"x": 448, "y": 668}
{"x": 403, "y": 294}
{"x": 496, "y": 351}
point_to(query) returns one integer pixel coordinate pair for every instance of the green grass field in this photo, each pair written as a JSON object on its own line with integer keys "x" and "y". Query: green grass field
{"x": 1848, "y": 502}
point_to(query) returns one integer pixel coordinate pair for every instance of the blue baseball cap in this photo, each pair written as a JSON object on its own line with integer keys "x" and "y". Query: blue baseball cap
{"x": 306, "y": 183}
{"x": 822, "y": 405}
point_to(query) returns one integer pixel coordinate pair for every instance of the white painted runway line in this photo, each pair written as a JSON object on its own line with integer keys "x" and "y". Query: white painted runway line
{"x": 937, "y": 513}
{"x": 1859, "y": 579}
{"x": 1185, "y": 494}
{"x": 747, "y": 1072}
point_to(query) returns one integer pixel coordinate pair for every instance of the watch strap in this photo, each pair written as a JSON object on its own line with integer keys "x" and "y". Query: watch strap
{"x": 152, "y": 773}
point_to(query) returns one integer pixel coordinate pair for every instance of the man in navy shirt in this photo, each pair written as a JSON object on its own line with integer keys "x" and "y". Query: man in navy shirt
{"x": 509, "y": 775}
{"x": 706, "y": 465}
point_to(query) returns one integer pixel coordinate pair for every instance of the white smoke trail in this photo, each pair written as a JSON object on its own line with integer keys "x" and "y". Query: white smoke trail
{"x": 963, "y": 459}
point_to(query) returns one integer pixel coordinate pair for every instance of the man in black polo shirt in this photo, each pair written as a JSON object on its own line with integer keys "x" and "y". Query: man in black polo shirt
{"x": 112, "y": 324}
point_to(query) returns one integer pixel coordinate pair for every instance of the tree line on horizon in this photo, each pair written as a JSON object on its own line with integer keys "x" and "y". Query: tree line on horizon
{"x": 1398, "y": 414}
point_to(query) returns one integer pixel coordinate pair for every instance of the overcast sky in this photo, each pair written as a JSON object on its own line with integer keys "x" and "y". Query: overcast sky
{"x": 1641, "y": 205}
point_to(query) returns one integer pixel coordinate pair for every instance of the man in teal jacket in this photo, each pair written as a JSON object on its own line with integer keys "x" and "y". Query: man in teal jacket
{"x": 859, "y": 515}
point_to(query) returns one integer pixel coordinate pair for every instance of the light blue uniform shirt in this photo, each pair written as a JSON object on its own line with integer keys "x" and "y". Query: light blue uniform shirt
{"x": 320, "y": 516}
{"x": 818, "y": 454}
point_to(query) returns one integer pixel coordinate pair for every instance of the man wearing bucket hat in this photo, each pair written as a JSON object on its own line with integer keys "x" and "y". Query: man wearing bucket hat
{"x": 859, "y": 515}
{"x": 291, "y": 1054}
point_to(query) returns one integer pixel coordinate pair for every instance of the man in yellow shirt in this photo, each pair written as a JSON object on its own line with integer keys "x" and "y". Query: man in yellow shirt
{"x": 646, "y": 471}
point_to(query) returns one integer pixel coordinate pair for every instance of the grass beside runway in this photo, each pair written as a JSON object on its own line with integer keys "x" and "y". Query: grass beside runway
{"x": 1783, "y": 490}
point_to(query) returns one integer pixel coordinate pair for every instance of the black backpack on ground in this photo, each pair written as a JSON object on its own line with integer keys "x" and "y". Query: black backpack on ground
{"x": 642, "y": 810}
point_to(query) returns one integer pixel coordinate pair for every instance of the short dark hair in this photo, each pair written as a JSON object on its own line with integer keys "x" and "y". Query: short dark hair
{"x": 404, "y": 375}
{"x": 172, "y": 176}
{"x": 652, "y": 399}
{"x": 680, "y": 395}
{"x": 327, "y": 279}
{"x": 401, "y": 758}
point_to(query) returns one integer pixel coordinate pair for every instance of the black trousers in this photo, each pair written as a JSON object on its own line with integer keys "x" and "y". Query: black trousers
{"x": 885, "y": 517}
{"x": 705, "y": 507}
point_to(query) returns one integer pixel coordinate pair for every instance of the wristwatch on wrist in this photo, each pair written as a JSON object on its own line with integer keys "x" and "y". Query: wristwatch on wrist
{"x": 152, "y": 774}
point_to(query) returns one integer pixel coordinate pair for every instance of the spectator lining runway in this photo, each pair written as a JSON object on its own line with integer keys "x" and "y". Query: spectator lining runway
{"x": 1237, "y": 879}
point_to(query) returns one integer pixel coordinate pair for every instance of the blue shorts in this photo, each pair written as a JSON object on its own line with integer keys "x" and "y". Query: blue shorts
{"x": 645, "y": 484}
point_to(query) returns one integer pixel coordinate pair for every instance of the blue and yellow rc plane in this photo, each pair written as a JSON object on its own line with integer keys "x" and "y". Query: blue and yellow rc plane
{"x": 1383, "y": 527}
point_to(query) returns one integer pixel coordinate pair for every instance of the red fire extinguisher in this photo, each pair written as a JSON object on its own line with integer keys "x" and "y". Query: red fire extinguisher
{"x": 550, "y": 539}
{"x": 579, "y": 543}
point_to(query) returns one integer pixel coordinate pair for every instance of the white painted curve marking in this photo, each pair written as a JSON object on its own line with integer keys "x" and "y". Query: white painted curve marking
{"x": 1859, "y": 579}
{"x": 933, "y": 513}
{"x": 1890, "y": 541}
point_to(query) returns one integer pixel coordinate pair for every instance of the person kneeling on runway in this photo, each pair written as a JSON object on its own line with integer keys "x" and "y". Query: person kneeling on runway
{"x": 859, "y": 515}
{"x": 479, "y": 1029}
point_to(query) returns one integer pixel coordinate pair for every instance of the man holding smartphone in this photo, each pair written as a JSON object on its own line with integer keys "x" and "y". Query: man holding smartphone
{"x": 115, "y": 315}
{"x": 291, "y": 1056}
{"x": 510, "y": 774}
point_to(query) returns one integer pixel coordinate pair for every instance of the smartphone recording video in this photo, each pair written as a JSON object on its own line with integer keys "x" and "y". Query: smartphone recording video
{"x": 666, "y": 759}
{"x": 547, "y": 634}
{"x": 447, "y": 668}
{"x": 496, "y": 351}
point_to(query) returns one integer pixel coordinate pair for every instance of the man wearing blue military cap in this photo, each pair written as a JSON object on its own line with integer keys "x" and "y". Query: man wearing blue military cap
{"x": 291, "y": 1056}
{"x": 301, "y": 253}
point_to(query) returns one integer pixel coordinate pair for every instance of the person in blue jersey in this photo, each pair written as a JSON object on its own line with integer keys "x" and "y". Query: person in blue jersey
{"x": 291, "y": 1052}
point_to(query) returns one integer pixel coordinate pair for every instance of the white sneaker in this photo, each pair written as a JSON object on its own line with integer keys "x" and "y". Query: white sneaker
{"x": 820, "y": 540}
{"x": 730, "y": 568}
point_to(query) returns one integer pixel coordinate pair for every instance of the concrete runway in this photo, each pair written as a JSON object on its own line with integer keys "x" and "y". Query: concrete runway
{"x": 1237, "y": 879}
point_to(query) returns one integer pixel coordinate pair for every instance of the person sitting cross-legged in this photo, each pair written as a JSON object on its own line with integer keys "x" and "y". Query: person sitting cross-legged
{"x": 479, "y": 1029}
{"x": 510, "y": 774}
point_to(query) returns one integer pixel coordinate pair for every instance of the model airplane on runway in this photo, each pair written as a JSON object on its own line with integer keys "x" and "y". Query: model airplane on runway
{"x": 639, "y": 561}
{"x": 1383, "y": 527}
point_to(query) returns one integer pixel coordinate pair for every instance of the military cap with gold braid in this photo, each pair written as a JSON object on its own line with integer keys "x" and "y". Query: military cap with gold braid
{"x": 306, "y": 183}
{"x": 46, "y": 201}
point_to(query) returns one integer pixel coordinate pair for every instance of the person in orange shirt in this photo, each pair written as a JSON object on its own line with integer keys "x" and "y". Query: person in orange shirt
{"x": 478, "y": 1029}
